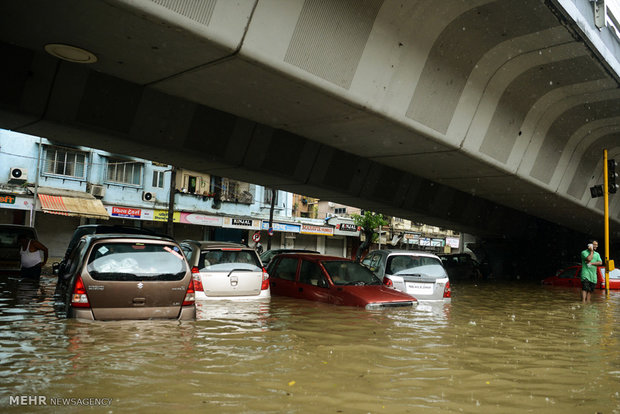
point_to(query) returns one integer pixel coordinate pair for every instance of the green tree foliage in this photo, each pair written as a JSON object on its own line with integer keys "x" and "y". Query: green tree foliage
{"x": 368, "y": 222}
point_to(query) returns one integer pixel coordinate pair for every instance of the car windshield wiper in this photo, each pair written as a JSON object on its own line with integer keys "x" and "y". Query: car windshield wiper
{"x": 238, "y": 270}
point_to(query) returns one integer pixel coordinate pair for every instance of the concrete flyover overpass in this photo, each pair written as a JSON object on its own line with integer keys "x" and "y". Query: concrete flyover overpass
{"x": 484, "y": 116}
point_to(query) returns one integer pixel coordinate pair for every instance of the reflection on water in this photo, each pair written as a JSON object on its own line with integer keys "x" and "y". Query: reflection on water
{"x": 495, "y": 348}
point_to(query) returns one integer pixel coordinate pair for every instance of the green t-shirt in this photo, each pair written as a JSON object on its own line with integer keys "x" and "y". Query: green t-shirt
{"x": 589, "y": 272}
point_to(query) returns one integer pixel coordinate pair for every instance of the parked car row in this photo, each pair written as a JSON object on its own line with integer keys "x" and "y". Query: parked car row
{"x": 116, "y": 272}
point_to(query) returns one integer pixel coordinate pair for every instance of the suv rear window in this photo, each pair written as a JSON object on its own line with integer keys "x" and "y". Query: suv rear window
{"x": 224, "y": 260}
{"x": 404, "y": 265}
{"x": 9, "y": 236}
{"x": 136, "y": 261}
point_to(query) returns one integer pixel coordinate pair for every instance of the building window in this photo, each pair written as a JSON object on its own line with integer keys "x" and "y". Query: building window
{"x": 268, "y": 194}
{"x": 232, "y": 190}
{"x": 124, "y": 172}
{"x": 192, "y": 184}
{"x": 342, "y": 210}
{"x": 61, "y": 161}
{"x": 158, "y": 179}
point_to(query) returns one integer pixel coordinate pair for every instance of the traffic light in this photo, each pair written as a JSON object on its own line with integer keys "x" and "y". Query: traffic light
{"x": 611, "y": 176}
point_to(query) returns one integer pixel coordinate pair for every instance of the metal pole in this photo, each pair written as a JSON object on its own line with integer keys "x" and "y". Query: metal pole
{"x": 606, "y": 195}
{"x": 33, "y": 210}
{"x": 170, "y": 223}
{"x": 271, "y": 208}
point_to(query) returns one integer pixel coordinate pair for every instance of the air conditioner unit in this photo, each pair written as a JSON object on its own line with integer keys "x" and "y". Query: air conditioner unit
{"x": 96, "y": 190}
{"x": 18, "y": 175}
{"x": 148, "y": 196}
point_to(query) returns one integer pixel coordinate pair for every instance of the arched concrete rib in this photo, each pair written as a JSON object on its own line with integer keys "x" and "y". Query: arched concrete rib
{"x": 454, "y": 56}
{"x": 487, "y": 68}
{"x": 509, "y": 97}
{"x": 577, "y": 148}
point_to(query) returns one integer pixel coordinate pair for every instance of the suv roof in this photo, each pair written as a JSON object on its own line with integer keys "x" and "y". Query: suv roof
{"x": 103, "y": 236}
{"x": 401, "y": 251}
{"x": 314, "y": 256}
{"x": 107, "y": 229}
{"x": 209, "y": 244}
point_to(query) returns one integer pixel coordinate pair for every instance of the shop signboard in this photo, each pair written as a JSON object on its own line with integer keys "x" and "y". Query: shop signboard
{"x": 284, "y": 227}
{"x": 124, "y": 212}
{"x": 241, "y": 223}
{"x": 317, "y": 230}
{"x": 162, "y": 215}
{"x": 346, "y": 229}
{"x": 425, "y": 241}
{"x": 437, "y": 242}
{"x": 412, "y": 238}
{"x": 201, "y": 219}
{"x": 15, "y": 202}
{"x": 453, "y": 242}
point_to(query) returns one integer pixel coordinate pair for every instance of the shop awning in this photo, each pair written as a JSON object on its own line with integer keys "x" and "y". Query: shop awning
{"x": 73, "y": 206}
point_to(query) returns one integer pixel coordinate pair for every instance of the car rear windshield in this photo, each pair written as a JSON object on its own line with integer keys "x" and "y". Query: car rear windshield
{"x": 409, "y": 265}
{"x": 9, "y": 236}
{"x": 225, "y": 260}
{"x": 136, "y": 261}
{"x": 343, "y": 272}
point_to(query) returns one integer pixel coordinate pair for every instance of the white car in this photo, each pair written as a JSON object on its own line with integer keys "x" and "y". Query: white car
{"x": 420, "y": 274}
{"x": 224, "y": 270}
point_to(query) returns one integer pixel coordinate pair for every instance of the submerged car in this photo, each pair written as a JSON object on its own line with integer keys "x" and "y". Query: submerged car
{"x": 461, "y": 267}
{"x": 571, "y": 277}
{"x": 10, "y": 259}
{"x": 332, "y": 279}
{"x": 267, "y": 256}
{"x": 223, "y": 270}
{"x": 420, "y": 274}
{"x": 114, "y": 277}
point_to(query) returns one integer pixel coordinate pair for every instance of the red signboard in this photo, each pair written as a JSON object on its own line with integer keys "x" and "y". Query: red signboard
{"x": 126, "y": 212}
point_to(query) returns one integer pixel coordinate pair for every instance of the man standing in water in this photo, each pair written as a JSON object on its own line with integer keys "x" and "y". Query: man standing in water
{"x": 30, "y": 251}
{"x": 590, "y": 259}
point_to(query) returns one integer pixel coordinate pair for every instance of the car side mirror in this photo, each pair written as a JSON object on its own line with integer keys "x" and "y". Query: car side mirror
{"x": 323, "y": 283}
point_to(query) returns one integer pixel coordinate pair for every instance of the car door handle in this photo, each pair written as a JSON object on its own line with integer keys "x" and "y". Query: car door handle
{"x": 272, "y": 283}
{"x": 301, "y": 289}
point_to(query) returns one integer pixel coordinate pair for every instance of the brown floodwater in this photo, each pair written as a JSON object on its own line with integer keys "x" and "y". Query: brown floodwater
{"x": 497, "y": 348}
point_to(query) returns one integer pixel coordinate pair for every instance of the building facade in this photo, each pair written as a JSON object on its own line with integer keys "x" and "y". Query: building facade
{"x": 56, "y": 187}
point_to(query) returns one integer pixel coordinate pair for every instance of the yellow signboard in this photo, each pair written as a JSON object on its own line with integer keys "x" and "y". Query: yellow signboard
{"x": 162, "y": 215}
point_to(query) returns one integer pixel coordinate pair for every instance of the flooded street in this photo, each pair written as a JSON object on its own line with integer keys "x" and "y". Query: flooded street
{"x": 508, "y": 348}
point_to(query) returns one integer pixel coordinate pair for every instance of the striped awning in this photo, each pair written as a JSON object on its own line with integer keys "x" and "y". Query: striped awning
{"x": 73, "y": 206}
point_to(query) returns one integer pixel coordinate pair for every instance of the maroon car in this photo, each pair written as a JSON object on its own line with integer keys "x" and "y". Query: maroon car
{"x": 333, "y": 280}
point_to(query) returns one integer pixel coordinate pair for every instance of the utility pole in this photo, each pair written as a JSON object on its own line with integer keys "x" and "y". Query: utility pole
{"x": 609, "y": 186}
{"x": 33, "y": 208}
{"x": 170, "y": 223}
{"x": 271, "y": 208}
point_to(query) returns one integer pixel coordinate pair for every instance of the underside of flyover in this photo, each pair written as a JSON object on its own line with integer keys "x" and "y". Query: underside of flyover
{"x": 488, "y": 117}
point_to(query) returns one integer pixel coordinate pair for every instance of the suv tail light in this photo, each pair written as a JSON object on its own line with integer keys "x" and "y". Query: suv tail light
{"x": 197, "y": 280}
{"x": 447, "y": 293}
{"x": 79, "y": 298}
{"x": 388, "y": 282}
{"x": 265, "y": 284}
{"x": 190, "y": 295}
